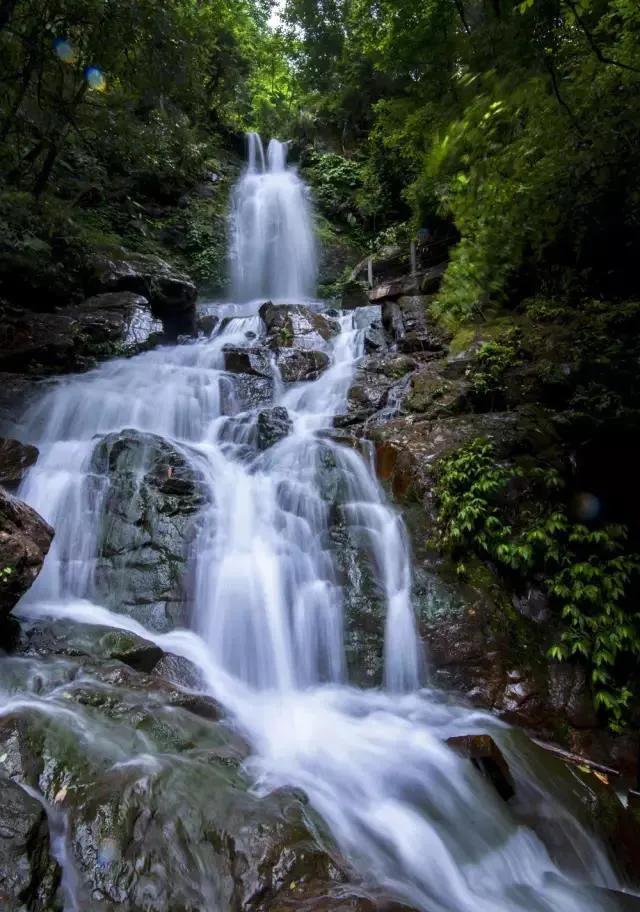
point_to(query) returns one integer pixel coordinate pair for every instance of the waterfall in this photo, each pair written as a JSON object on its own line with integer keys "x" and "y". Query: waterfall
{"x": 268, "y": 620}
{"x": 273, "y": 251}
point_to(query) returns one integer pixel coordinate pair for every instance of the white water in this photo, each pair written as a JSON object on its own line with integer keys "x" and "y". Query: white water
{"x": 413, "y": 817}
{"x": 273, "y": 251}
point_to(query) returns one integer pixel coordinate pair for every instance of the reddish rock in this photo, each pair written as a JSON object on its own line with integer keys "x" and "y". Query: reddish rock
{"x": 24, "y": 541}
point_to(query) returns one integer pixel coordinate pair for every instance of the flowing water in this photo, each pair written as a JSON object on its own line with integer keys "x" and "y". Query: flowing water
{"x": 413, "y": 817}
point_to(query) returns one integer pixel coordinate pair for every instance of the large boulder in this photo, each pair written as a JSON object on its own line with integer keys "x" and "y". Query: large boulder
{"x": 172, "y": 294}
{"x": 29, "y": 876}
{"x": 272, "y": 425}
{"x": 175, "y": 826}
{"x": 253, "y": 361}
{"x": 15, "y": 460}
{"x": 296, "y": 326}
{"x": 151, "y": 494}
{"x": 24, "y": 542}
{"x": 295, "y": 364}
{"x": 72, "y": 339}
{"x": 68, "y": 638}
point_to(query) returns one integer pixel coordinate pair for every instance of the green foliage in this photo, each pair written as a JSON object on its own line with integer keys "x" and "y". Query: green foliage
{"x": 586, "y": 571}
{"x": 336, "y": 182}
{"x": 492, "y": 361}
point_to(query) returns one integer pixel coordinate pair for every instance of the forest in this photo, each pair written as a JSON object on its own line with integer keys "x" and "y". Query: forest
{"x": 472, "y": 169}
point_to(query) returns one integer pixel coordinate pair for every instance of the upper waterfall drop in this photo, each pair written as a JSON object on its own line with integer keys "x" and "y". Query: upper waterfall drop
{"x": 273, "y": 249}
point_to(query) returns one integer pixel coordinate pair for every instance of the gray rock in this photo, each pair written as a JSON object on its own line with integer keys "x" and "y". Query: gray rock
{"x": 151, "y": 495}
{"x": 295, "y": 364}
{"x": 253, "y": 361}
{"x": 172, "y": 294}
{"x": 273, "y": 425}
{"x": 69, "y": 638}
{"x": 296, "y": 326}
{"x": 28, "y": 875}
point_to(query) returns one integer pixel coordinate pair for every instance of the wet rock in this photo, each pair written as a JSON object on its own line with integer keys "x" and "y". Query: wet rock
{"x": 485, "y": 754}
{"x": 207, "y": 323}
{"x": 253, "y": 361}
{"x": 24, "y": 542}
{"x": 72, "y": 339}
{"x": 364, "y": 605}
{"x": 28, "y": 875}
{"x": 151, "y": 495}
{"x": 178, "y": 670}
{"x": 408, "y": 324}
{"x": 375, "y": 377}
{"x": 181, "y": 830}
{"x": 295, "y": 325}
{"x": 172, "y": 295}
{"x": 121, "y": 318}
{"x": 69, "y": 638}
{"x": 15, "y": 460}
{"x": 374, "y": 339}
{"x": 296, "y": 364}
{"x": 241, "y": 392}
{"x": 273, "y": 425}
{"x": 135, "y": 695}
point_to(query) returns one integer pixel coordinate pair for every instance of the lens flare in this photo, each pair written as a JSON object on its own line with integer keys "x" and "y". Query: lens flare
{"x": 65, "y": 50}
{"x": 95, "y": 78}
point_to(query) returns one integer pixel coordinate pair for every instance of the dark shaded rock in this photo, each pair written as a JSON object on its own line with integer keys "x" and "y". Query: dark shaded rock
{"x": 253, "y": 361}
{"x": 485, "y": 754}
{"x": 294, "y": 325}
{"x": 72, "y": 339}
{"x": 171, "y": 294}
{"x": 15, "y": 460}
{"x": 296, "y": 364}
{"x": 16, "y": 394}
{"x": 118, "y": 317}
{"x": 374, "y": 382}
{"x": 24, "y": 542}
{"x": 69, "y": 638}
{"x": 533, "y": 604}
{"x": 150, "y": 496}
{"x": 434, "y": 395}
{"x": 28, "y": 875}
{"x": 207, "y": 323}
{"x": 407, "y": 323}
{"x": 354, "y": 294}
{"x": 273, "y": 425}
{"x": 374, "y": 339}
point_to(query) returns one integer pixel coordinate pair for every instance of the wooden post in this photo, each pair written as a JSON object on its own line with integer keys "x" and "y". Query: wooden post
{"x": 370, "y": 272}
{"x": 414, "y": 259}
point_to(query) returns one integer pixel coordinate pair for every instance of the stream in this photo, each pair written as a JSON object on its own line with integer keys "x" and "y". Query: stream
{"x": 265, "y": 621}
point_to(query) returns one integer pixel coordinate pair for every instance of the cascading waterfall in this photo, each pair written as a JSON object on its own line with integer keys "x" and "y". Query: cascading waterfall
{"x": 413, "y": 817}
{"x": 273, "y": 251}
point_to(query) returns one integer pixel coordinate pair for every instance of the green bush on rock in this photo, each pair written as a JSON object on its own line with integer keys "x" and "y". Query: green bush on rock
{"x": 586, "y": 572}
